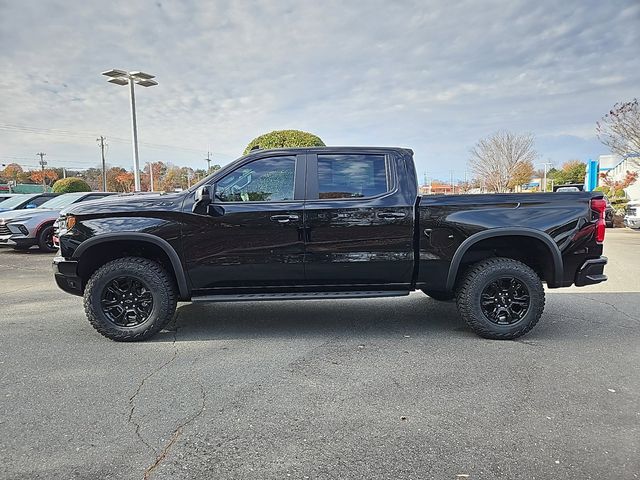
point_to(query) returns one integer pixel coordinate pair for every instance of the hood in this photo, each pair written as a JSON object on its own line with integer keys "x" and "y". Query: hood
{"x": 12, "y": 215}
{"x": 127, "y": 203}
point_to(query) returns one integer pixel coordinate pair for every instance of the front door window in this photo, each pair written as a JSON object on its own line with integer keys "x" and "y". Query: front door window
{"x": 265, "y": 180}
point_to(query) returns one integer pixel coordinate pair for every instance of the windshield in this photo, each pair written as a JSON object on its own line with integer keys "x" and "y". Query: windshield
{"x": 62, "y": 201}
{"x": 15, "y": 201}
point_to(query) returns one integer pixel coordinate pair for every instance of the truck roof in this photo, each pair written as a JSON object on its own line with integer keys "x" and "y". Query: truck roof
{"x": 331, "y": 149}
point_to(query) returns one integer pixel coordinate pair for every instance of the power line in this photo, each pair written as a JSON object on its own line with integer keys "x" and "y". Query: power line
{"x": 81, "y": 135}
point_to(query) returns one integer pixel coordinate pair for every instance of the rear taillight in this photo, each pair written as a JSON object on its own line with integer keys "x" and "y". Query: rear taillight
{"x": 599, "y": 205}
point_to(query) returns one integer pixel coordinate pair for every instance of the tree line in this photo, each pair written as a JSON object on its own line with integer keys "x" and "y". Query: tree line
{"x": 166, "y": 177}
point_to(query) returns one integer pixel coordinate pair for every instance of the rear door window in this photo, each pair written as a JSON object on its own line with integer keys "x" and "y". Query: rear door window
{"x": 351, "y": 176}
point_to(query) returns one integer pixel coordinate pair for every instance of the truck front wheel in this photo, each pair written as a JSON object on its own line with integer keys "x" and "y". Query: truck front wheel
{"x": 500, "y": 298}
{"x": 130, "y": 299}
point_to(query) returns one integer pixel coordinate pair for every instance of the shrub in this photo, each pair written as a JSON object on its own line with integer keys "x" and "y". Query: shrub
{"x": 70, "y": 185}
{"x": 285, "y": 139}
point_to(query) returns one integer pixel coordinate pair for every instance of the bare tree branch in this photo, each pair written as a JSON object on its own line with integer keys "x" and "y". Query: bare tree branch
{"x": 620, "y": 129}
{"x": 503, "y": 159}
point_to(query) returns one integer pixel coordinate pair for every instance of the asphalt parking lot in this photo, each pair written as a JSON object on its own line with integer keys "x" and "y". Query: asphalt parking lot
{"x": 385, "y": 388}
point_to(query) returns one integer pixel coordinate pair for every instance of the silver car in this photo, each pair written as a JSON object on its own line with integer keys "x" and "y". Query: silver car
{"x": 21, "y": 229}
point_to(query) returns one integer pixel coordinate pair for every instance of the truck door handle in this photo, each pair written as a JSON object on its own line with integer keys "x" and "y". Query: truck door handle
{"x": 284, "y": 218}
{"x": 391, "y": 215}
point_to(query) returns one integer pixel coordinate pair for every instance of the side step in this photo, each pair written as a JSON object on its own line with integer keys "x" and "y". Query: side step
{"x": 255, "y": 297}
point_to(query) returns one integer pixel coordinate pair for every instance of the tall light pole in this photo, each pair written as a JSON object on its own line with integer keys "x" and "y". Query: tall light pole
{"x": 122, "y": 77}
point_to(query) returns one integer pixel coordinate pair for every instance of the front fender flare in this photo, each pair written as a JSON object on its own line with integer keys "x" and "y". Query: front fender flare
{"x": 178, "y": 269}
{"x": 556, "y": 255}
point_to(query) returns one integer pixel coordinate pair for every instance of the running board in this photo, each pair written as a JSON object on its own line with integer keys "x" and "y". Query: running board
{"x": 254, "y": 297}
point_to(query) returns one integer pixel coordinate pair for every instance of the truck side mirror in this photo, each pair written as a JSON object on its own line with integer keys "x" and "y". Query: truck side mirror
{"x": 202, "y": 200}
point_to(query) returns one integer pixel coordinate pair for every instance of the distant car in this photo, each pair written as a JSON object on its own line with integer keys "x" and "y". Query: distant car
{"x": 608, "y": 213}
{"x": 21, "y": 229}
{"x": 4, "y": 196}
{"x": 569, "y": 187}
{"x": 632, "y": 215}
{"x": 22, "y": 201}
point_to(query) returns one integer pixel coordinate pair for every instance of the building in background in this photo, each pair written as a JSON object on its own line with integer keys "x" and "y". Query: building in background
{"x": 616, "y": 168}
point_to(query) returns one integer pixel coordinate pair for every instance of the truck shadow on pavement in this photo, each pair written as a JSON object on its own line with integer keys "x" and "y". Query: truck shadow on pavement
{"x": 567, "y": 316}
{"x": 411, "y": 315}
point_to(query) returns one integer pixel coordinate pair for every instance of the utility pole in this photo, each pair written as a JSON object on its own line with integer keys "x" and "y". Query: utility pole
{"x": 42, "y": 164}
{"x": 208, "y": 160}
{"x": 544, "y": 181}
{"x": 151, "y": 176}
{"x": 451, "y": 177}
{"x": 104, "y": 166}
{"x": 64, "y": 172}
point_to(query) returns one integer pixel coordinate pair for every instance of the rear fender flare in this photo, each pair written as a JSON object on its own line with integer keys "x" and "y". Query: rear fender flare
{"x": 556, "y": 255}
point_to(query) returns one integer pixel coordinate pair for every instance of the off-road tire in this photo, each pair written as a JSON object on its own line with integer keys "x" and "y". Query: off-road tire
{"x": 440, "y": 296}
{"x": 160, "y": 283}
{"x": 478, "y": 277}
{"x": 42, "y": 239}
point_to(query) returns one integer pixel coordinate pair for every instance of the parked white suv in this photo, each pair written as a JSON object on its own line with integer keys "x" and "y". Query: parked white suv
{"x": 632, "y": 214}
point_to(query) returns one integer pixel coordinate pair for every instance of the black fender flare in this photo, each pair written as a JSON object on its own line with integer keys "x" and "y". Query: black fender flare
{"x": 556, "y": 255}
{"x": 178, "y": 269}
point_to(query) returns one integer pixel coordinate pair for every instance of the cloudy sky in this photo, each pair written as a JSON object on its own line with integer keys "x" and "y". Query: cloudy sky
{"x": 431, "y": 75}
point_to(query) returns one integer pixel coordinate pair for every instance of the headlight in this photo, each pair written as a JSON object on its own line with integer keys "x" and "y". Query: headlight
{"x": 70, "y": 222}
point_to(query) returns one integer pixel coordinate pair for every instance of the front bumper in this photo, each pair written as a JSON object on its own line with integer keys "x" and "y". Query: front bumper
{"x": 591, "y": 272}
{"x": 16, "y": 240}
{"x": 66, "y": 275}
{"x": 632, "y": 222}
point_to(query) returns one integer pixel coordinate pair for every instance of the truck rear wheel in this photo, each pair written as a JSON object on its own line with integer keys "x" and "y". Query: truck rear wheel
{"x": 500, "y": 298}
{"x": 130, "y": 299}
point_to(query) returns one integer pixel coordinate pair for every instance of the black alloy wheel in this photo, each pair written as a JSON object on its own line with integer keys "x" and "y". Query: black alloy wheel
{"x": 130, "y": 299}
{"x": 126, "y": 302}
{"x": 505, "y": 301}
{"x": 500, "y": 298}
{"x": 45, "y": 239}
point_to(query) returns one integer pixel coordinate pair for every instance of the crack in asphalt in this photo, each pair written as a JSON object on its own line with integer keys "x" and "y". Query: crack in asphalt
{"x": 607, "y": 303}
{"x": 132, "y": 403}
{"x": 175, "y": 435}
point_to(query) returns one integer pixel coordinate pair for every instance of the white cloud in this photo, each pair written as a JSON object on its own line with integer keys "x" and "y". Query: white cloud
{"x": 434, "y": 76}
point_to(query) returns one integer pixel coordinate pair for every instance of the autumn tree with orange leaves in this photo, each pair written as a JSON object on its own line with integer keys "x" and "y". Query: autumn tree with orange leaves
{"x": 48, "y": 176}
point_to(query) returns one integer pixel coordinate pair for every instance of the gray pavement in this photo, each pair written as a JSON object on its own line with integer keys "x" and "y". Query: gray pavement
{"x": 385, "y": 388}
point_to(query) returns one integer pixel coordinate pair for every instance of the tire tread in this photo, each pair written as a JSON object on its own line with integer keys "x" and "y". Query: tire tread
{"x": 466, "y": 307}
{"x": 164, "y": 281}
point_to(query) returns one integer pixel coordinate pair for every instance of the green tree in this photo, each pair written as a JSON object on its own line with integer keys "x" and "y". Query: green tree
{"x": 70, "y": 185}
{"x": 572, "y": 171}
{"x": 284, "y": 139}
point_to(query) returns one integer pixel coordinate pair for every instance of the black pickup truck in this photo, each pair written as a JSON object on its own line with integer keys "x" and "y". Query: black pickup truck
{"x": 322, "y": 223}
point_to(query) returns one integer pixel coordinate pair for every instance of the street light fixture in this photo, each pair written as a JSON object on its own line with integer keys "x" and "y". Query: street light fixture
{"x": 122, "y": 77}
